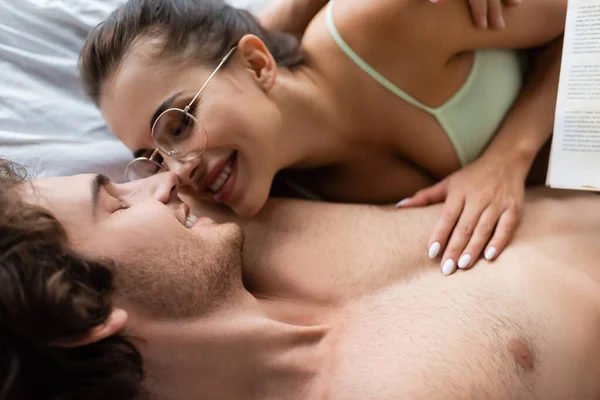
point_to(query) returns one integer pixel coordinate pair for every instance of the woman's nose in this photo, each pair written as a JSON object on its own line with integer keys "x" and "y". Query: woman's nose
{"x": 187, "y": 172}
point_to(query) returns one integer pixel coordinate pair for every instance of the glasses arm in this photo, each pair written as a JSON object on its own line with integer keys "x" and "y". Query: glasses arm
{"x": 154, "y": 153}
{"x": 187, "y": 108}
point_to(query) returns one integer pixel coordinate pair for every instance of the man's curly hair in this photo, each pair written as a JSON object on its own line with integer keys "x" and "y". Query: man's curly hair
{"x": 48, "y": 292}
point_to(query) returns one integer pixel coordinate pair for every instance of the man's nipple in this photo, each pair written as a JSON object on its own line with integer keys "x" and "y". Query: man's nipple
{"x": 521, "y": 353}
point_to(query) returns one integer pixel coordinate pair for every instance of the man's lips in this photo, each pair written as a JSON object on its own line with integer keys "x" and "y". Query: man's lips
{"x": 182, "y": 212}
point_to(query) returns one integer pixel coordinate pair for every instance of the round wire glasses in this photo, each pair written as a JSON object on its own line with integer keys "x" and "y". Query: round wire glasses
{"x": 177, "y": 134}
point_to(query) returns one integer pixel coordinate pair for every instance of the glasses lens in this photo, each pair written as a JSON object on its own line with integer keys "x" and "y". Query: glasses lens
{"x": 141, "y": 168}
{"x": 179, "y": 135}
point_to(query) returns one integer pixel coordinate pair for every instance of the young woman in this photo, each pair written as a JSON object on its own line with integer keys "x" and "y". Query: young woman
{"x": 378, "y": 102}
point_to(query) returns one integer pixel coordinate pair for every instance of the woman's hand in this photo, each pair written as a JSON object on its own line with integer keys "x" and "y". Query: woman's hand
{"x": 488, "y": 13}
{"x": 482, "y": 208}
{"x": 293, "y": 16}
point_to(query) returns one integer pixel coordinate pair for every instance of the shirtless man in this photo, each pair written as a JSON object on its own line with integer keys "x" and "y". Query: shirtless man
{"x": 332, "y": 302}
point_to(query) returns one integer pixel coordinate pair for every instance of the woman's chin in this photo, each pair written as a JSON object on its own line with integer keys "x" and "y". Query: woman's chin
{"x": 246, "y": 211}
{"x": 249, "y": 207}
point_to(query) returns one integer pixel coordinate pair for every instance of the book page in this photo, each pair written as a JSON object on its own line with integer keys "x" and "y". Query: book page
{"x": 575, "y": 155}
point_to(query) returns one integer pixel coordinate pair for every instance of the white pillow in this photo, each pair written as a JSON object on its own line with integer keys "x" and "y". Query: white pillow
{"x": 46, "y": 121}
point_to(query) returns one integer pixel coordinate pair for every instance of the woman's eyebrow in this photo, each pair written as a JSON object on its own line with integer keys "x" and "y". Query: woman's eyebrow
{"x": 163, "y": 107}
{"x": 140, "y": 153}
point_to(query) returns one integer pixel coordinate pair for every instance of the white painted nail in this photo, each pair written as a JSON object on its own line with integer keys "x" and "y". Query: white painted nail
{"x": 402, "y": 202}
{"x": 434, "y": 250}
{"x": 448, "y": 267}
{"x": 490, "y": 253}
{"x": 464, "y": 261}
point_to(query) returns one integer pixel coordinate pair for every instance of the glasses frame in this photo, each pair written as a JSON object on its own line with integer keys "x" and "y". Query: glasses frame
{"x": 185, "y": 111}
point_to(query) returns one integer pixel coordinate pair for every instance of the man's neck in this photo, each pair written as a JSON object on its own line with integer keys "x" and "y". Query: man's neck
{"x": 235, "y": 353}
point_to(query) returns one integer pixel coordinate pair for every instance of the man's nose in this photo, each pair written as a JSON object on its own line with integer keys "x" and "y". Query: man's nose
{"x": 164, "y": 187}
{"x": 161, "y": 187}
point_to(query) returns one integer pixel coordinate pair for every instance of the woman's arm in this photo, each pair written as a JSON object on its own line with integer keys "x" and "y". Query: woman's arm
{"x": 538, "y": 24}
{"x": 512, "y": 151}
{"x": 447, "y": 27}
{"x": 291, "y": 16}
{"x": 483, "y": 201}
{"x": 488, "y": 13}
{"x": 533, "y": 24}
{"x": 529, "y": 124}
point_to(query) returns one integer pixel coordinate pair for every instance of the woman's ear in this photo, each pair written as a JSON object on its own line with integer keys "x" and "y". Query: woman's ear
{"x": 258, "y": 60}
{"x": 113, "y": 325}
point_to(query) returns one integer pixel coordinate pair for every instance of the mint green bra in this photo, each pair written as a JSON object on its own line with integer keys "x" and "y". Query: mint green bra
{"x": 473, "y": 115}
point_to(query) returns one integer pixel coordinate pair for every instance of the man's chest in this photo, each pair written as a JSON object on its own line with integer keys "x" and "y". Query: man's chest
{"x": 473, "y": 338}
{"x": 328, "y": 268}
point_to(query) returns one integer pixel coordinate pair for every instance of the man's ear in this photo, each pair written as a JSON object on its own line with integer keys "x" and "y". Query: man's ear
{"x": 259, "y": 60}
{"x": 113, "y": 325}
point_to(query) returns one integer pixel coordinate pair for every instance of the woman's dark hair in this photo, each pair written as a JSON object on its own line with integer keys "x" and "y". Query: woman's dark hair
{"x": 50, "y": 293}
{"x": 199, "y": 30}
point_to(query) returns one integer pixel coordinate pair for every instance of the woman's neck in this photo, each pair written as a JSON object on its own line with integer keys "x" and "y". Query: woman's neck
{"x": 313, "y": 134}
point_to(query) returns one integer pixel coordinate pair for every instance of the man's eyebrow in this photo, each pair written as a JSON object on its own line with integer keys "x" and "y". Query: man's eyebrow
{"x": 163, "y": 107}
{"x": 98, "y": 183}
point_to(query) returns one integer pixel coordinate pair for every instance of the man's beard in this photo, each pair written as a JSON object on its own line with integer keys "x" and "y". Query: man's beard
{"x": 182, "y": 282}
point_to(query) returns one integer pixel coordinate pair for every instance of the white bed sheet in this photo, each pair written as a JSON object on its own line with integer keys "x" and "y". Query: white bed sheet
{"x": 46, "y": 122}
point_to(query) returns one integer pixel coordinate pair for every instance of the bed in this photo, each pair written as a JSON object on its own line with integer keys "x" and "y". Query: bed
{"x": 46, "y": 122}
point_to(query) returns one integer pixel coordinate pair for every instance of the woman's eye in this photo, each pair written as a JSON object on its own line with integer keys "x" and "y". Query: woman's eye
{"x": 177, "y": 132}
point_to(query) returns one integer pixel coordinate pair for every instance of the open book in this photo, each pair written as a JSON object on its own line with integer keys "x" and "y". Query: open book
{"x": 575, "y": 155}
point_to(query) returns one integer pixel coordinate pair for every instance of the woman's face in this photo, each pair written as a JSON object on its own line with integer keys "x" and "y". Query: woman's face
{"x": 241, "y": 120}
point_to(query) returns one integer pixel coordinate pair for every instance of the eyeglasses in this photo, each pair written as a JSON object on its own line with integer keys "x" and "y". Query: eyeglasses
{"x": 177, "y": 134}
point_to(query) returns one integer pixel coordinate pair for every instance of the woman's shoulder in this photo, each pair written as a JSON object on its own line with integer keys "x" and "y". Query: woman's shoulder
{"x": 379, "y": 20}
{"x": 442, "y": 28}
{"x": 371, "y": 27}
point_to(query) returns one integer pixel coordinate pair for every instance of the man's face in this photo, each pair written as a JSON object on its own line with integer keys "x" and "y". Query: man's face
{"x": 163, "y": 266}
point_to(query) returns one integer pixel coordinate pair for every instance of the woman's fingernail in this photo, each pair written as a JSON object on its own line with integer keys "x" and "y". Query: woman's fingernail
{"x": 464, "y": 261}
{"x": 501, "y": 23}
{"x": 434, "y": 250}
{"x": 448, "y": 267}
{"x": 490, "y": 253}
{"x": 402, "y": 202}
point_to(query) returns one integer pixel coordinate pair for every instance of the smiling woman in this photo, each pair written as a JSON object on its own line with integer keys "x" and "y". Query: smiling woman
{"x": 364, "y": 111}
{"x": 174, "y": 122}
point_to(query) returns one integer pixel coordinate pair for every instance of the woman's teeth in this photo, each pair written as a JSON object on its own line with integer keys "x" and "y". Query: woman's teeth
{"x": 190, "y": 221}
{"x": 222, "y": 178}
